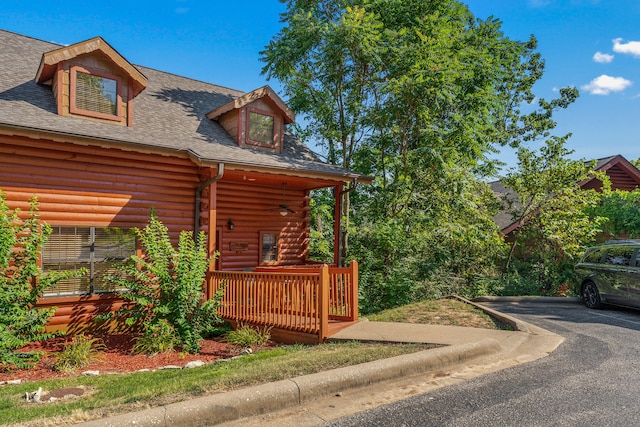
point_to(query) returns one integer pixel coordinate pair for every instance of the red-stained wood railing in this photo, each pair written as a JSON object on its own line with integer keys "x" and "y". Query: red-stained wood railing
{"x": 299, "y": 299}
{"x": 343, "y": 293}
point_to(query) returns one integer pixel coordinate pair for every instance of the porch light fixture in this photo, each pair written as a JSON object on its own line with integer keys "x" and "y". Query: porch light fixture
{"x": 230, "y": 224}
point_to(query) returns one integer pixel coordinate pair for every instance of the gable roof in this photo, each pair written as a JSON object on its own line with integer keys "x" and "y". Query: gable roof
{"x": 247, "y": 98}
{"x": 169, "y": 116}
{"x": 51, "y": 59}
{"x": 623, "y": 174}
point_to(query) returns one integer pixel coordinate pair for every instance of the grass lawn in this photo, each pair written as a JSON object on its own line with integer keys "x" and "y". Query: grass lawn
{"x": 112, "y": 394}
{"x": 445, "y": 311}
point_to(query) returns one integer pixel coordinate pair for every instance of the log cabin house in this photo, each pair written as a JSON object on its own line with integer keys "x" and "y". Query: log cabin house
{"x": 100, "y": 142}
{"x": 622, "y": 174}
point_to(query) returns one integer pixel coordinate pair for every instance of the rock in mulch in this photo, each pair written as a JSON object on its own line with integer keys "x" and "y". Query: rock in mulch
{"x": 194, "y": 364}
{"x": 51, "y": 396}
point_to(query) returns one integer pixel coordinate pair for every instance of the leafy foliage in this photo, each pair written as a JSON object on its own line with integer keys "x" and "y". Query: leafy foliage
{"x": 321, "y": 233}
{"x": 427, "y": 256}
{"x": 22, "y": 283}
{"x": 165, "y": 287}
{"x": 622, "y": 212}
{"x": 159, "y": 337}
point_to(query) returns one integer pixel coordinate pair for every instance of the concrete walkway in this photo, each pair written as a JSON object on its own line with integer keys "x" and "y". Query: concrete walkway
{"x": 491, "y": 349}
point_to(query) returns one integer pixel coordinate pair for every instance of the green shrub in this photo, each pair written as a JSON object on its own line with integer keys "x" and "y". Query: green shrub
{"x": 81, "y": 352}
{"x": 166, "y": 285}
{"x": 157, "y": 338}
{"x": 22, "y": 283}
{"x": 247, "y": 336}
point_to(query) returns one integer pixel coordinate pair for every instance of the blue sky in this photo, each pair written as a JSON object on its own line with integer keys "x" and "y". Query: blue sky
{"x": 593, "y": 45}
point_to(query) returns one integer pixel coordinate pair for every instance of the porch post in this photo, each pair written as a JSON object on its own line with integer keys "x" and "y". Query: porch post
{"x": 337, "y": 226}
{"x": 210, "y": 185}
{"x": 354, "y": 290}
{"x": 211, "y": 234}
{"x": 323, "y": 302}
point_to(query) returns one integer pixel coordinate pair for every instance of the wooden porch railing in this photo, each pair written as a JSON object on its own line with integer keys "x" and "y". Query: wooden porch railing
{"x": 299, "y": 299}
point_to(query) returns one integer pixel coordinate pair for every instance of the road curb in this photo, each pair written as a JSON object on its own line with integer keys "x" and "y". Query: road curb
{"x": 512, "y": 322}
{"x": 223, "y": 407}
{"x": 544, "y": 300}
{"x": 516, "y": 324}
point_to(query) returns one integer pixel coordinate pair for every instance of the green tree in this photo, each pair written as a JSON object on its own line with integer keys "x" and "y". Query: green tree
{"x": 326, "y": 57}
{"x": 419, "y": 94}
{"x": 321, "y": 233}
{"x": 552, "y": 211}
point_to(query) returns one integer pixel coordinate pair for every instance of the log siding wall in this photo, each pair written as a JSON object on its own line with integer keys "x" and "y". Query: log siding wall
{"x": 93, "y": 186}
{"x": 82, "y": 185}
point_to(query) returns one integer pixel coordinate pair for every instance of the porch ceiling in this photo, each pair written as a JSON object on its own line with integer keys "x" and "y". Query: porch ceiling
{"x": 276, "y": 180}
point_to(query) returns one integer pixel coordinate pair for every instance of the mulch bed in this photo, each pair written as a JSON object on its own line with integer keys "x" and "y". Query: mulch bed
{"x": 118, "y": 357}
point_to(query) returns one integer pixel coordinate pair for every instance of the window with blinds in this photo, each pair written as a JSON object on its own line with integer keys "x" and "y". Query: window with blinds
{"x": 96, "y": 249}
{"x": 94, "y": 93}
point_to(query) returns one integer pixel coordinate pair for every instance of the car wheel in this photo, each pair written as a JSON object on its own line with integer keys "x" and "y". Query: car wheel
{"x": 591, "y": 295}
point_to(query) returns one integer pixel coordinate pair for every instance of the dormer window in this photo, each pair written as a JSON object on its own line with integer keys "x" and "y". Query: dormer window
{"x": 261, "y": 129}
{"x": 91, "y": 80}
{"x": 255, "y": 120}
{"x": 95, "y": 94}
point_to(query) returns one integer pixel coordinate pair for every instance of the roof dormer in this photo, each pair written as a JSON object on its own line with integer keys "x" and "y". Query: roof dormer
{"x": 92, "y": 80}
{"x": 256, "y": 119}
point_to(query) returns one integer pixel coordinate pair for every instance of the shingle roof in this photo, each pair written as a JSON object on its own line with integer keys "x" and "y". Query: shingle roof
{"x": 503, "y": 219}
{"x": 601, "y": 162}
{"x": 170, "y": 114}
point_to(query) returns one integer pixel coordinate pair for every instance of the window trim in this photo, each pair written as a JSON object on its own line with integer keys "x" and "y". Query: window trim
{"x": 276, "y": 129}
{"x": 73, "y": 109}
{"x": 261, "y": 260}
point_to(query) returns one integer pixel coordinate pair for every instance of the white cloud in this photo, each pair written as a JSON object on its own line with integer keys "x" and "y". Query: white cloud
{"x": 603, "y": 58}
{"x": 604, "y": 85}
{"x": 631, "y": 48}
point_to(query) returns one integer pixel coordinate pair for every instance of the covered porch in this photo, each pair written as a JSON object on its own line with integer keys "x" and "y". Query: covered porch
{"x": 259, "y": 227}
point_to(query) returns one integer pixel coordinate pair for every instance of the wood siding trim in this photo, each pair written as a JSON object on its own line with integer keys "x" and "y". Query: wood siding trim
{"x": 58, "y": 89}
{"x": 130, "y": 103}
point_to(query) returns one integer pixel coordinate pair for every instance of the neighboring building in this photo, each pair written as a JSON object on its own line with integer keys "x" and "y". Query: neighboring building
{"x": 622, "y": 174}
{"x": 101, "y": 141}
